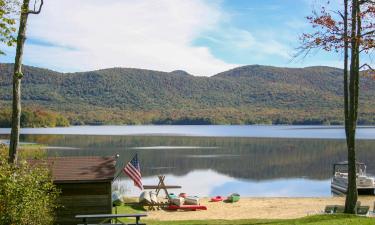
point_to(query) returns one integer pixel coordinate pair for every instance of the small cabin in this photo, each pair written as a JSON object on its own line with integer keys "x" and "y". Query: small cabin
{"x": 85, "y": 184}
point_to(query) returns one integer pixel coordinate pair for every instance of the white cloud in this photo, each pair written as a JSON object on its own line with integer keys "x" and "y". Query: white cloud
{"x": 262, "y": 45}
{"x": 147, "y": 34}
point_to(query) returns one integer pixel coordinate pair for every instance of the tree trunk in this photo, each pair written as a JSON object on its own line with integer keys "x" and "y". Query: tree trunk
{"x": 346, "y": 58}
{"x": 17, "y": 76}
{"x": 352, "y": 193}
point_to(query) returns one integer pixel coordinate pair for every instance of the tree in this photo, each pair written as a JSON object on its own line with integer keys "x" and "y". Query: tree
{"x": 351, "y": 30}
{"x": 27, "y": 193}
{"x": 7, "y": 22}
{"x": 17, "y": 76}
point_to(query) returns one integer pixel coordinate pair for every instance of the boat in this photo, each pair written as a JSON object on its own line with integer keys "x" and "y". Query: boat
{"x": 187, "y": 207}
{"x": 192, "y": 200}
{"x": 178, "y": 201}
{"x": 217, "y": 199}
{"x": 339, "y": 182}
{"x": 183, "y": 195}
{"x": 233, "y": 198}
{"x": 116, "y": 199}
{"x": 172, "y": 195}
{"x": 145, "y": 197}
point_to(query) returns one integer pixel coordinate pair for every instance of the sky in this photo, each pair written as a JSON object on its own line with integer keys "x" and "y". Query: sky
{"x": 202, "y": 37}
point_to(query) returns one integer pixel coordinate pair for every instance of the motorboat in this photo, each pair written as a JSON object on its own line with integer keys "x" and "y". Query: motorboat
{"x": 339, "y": 182}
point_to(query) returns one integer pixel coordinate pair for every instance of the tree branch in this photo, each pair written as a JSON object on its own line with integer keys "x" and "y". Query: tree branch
{"x": 36, "y": 11}
{"x": 368, "y": 33}
{"x": 368, "y": 66}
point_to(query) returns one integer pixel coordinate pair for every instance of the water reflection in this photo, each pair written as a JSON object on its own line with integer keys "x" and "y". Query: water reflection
{"x": 220, "y": 165}
{"x": 211, "y": 183}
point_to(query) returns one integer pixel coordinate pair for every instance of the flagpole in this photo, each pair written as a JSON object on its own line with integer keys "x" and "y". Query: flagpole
{"x": 122, "y": 167}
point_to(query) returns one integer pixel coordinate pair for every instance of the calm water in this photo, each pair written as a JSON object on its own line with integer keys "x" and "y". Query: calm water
{"x": 216, "y": 160}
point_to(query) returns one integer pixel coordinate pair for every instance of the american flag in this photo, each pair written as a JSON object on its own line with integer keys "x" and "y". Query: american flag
{"x": 133, "y": 170}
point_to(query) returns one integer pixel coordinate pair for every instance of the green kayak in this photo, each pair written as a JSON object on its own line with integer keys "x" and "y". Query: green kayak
{"x": 233, "y": 198}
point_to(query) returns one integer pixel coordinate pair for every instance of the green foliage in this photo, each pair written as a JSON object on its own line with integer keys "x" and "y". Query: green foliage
{"x": 8, "y": 22}
{"x": 244, "y": 95}
{"x": 34, "y": 118}
{"x": 27, "y": 194}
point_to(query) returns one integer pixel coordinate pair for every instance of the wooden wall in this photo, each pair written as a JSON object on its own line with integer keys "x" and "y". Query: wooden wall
{"x": 83, "y": 198}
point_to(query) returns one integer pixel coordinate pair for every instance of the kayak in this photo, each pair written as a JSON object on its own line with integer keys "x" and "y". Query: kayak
{"x": 233, "y": 197}
{"x": 217, "y": 199}
{"x": 187, "y": 207}
{"x": 183, "y": 195}
{"x": 171, "y": 195}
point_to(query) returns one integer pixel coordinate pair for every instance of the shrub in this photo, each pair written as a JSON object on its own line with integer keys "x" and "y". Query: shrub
{"x": 27, "y": 194}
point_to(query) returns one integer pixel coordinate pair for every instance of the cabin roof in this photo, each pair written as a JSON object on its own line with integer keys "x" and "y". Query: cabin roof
{"x": 79, "y": 169}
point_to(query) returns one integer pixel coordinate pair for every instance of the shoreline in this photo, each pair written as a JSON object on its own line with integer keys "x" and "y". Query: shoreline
{"x": 258, "y": 208}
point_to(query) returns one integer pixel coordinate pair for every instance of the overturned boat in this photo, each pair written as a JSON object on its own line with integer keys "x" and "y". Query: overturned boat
{"x": 339, "y": 182}
{"x": 192, "y": 200}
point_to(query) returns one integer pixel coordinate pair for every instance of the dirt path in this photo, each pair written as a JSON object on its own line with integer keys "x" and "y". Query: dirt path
{"x": 254, "y": 208}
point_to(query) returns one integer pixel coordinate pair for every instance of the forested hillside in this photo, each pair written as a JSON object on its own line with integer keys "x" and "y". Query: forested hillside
{"x": 244, "y": 95}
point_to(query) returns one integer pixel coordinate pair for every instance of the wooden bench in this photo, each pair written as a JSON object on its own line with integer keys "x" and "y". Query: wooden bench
{"x": 107, "y": 218}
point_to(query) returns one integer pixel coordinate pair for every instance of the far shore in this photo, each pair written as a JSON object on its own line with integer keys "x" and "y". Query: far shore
{"x": 258, "y": 208}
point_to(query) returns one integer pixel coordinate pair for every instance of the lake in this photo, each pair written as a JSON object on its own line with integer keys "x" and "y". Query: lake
{"x": 283, "y": 161}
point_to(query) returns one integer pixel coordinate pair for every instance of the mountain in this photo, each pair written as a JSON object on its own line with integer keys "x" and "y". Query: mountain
{"x": 248, "y": 94}
{"x": 180, "y": 73}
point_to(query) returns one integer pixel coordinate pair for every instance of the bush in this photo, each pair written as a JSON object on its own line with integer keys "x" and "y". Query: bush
{"x": 27, "y": 194}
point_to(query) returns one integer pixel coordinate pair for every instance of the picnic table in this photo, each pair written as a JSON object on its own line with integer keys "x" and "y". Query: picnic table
{"x": 107, "y": 218}
{"x": 160, "y": 186}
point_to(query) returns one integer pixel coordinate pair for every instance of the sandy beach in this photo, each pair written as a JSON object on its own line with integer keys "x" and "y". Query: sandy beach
{"x": 257, "y": 208}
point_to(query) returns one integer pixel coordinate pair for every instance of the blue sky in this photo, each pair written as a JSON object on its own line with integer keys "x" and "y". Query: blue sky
{"x": 203, "y": 37}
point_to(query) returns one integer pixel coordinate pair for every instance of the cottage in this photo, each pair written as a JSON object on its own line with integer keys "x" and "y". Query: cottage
{"x": 85, "y": 184}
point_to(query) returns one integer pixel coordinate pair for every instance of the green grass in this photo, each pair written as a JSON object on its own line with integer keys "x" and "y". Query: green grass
{"x": 338, "y": 219}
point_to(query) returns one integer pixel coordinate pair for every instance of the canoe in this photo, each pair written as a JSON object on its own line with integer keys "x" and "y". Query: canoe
{"x": 192, "y": 200}
{"x": 177, "y": 201}
{"x": 233, "y": 197}
{"x": 187, "y": 207}
{"x": 217, "y": 199}
{"x": 145, "y": 197}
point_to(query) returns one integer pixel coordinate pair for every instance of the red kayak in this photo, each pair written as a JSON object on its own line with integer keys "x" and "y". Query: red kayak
{"x": 217, "y": 199}
{"x": 183, "y": 195}
{"x": 187, "y": 207}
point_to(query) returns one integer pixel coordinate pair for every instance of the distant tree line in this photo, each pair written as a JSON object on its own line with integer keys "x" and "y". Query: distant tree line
{"x": 41, "y": 117}
{"x": 35, "y": 118}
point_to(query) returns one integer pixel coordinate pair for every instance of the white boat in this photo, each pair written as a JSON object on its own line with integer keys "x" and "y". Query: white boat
{"x": 192, "y": 200}
{"x": 339, "y": 182}
{"x": 145, "y": 197}
{"x": 179, "y": 201}
{"x": 116, "y": 198}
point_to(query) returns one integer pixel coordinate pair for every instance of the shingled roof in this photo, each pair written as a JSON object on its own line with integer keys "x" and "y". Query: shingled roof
{"x": 80, "y": 169}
